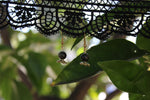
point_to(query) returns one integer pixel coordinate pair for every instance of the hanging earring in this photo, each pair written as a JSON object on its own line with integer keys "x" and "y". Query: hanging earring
{"x": 62, "y": 55}
{"x": 84, "y": 56}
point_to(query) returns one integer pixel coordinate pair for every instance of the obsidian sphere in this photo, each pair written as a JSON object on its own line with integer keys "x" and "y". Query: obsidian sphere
{"x": 62, "y": 55}
{"x": 84, "y": 57}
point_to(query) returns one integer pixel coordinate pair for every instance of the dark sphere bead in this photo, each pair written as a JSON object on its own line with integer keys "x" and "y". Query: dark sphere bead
{"x": 84, "y": 57}
{"x": 62, "y": 55}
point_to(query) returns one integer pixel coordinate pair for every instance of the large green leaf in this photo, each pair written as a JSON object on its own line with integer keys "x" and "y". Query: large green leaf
{"x": 113, "y": 50}
{"x": 139, "y": 97}
{"x": 127, "y": 76}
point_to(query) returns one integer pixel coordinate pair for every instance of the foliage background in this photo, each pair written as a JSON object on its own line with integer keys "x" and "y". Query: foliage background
{"x": 28, "y": 66}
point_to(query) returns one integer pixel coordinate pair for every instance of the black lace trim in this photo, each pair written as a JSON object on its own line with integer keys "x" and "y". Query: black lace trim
{"x": 98, "y": 18}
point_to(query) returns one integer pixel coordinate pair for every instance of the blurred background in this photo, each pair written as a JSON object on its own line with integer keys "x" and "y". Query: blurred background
{"x": 28, "y": 65}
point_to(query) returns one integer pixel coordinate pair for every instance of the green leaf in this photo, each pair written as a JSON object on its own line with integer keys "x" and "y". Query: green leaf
{"x": 7, "y": 75}
{"x": 6, "y": 88}
{"x": 35, "y": 65}
{"x": 143, "y": 42}
{"x": 139, "y": 97}
{"x": 127, "y": 76}
{"x": 113, "y": 50}
{"x": 4, "y": 47}
{"x": 36, "y": 68}
{"x": 21, "y": 92}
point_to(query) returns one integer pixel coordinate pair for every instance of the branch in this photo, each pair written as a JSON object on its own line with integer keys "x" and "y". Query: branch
{"x": 28, "y": 84}
{"x": 5, "y": 37}
{"x": 113, "y": 94}
{"x": 25, "y": 80}
{"x": 82, "y": 88}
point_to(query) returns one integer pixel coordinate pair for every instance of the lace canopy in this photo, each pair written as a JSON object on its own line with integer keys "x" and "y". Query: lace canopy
{"x": 98, "y": 18}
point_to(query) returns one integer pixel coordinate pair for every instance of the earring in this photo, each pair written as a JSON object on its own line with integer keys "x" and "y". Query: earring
{"x": 84, "y": 56}
{"x": 62, "y": 54}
